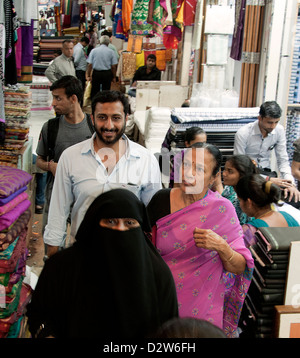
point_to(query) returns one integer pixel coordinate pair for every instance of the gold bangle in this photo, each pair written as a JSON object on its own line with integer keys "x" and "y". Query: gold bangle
{"x": 231, "y": 256}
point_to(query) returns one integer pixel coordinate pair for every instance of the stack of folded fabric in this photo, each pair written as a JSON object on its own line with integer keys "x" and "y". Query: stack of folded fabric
{"x": 41, "y": 94}
{"x": 17, "y": 113}
{"x": 267, "y": 289}
{"x": 14, "y": 219}
{"x": 220, "y": 125}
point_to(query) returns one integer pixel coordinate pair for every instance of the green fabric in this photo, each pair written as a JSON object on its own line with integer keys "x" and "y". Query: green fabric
{"x": 13, "y": 305}
{"x": 139, "y": 24}
{"x": 15, "y": 329}
{"x": 4, "y": 278}
{"x": 6, "y": 254}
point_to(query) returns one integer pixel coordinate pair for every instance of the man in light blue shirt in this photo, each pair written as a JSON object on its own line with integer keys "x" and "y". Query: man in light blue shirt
{"x": 259, "y": 138}
{"x": 106, "y": 161}
{"x": 80, "y": 59}
{"x": 102, "y": 66}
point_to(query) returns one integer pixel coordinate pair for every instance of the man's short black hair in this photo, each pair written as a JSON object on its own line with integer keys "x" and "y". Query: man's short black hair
{"x": 152, "y": 56}
{"x": 85, "y": 39}
{"x": 110, "y": 97}
{"x": 270, "y": 109}
{"x": 71, "y": 84}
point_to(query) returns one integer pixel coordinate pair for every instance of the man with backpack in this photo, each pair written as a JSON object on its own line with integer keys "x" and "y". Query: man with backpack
{"x": 69, "y": 127}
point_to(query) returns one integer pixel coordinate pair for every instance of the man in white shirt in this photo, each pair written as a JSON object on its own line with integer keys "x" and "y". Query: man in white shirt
{"x": 259, "y": 138}
{"x": 62, "y": 65}
{"x": 80, "y": 59}
{"x": 106, "y": 161}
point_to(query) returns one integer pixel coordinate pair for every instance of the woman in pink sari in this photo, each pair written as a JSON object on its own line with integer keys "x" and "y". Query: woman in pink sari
{"x": 199, "y": 236}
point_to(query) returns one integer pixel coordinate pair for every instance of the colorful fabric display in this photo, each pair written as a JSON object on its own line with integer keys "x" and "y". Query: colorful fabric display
{"x": 11, "y": 264}
{"x": 11, "y": 180}
{"x": 13, "y": 203}
{"x": 6, "y": 238}
{"x": 14, "y": 219}
{"x": 5, "y": 200}
{"x": 7, "y": 325}
{"x": 10, "y": 217}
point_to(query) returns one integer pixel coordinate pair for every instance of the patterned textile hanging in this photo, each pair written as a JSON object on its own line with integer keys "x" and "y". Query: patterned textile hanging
{"x": 11, "y": 26}
{"x": 156, "y": 17}
{"x": 118, "y": 31}
{"x": 139, "y": 24}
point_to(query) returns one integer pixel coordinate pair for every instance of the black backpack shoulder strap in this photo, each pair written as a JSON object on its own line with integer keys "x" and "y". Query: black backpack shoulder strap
{"x": 90, "y": 123}
{"x": 53, "y": 125}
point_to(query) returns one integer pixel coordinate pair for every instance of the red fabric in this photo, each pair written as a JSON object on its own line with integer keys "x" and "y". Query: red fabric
{"x": 170, "y": 41}
{"x": 189, "y": 12}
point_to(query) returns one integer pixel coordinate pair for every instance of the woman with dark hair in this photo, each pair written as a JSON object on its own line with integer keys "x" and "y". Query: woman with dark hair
{"x": 256, "y": 195}
{"x": 260, "y": 199}
{"x": 198, "y": 235}
{"x": 111, "y": 279}
{"x": 235, "y": 168}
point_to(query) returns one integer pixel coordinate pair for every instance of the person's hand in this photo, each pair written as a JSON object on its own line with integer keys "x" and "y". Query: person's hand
{"x": 292, "y": 192}
{"x": 114, "y": 80}
{"x": 52, "y": 167}
{"x": 208, "y": 239}
{"x": 88, "y": 78}
{"x": 282, "y": 183}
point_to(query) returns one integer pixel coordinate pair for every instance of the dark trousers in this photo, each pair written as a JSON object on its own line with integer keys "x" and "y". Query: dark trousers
{"x": 101, "y": 81}
{"x": 81, "y": 76}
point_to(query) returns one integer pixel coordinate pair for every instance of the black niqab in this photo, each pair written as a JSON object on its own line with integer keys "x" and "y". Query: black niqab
{"x": 109, "y": 284}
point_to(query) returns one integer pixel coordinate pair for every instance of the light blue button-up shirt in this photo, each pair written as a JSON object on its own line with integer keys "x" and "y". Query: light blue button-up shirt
{"x": 79, "y": 57}
{"x": 81, "y": 176}
{"x": 102, "y": 58}
{"x": 249, "y": 141}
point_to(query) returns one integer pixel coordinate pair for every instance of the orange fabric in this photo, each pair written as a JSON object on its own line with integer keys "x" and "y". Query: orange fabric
{"x": 161, "y": 60}
{"x": 127, "y": 6}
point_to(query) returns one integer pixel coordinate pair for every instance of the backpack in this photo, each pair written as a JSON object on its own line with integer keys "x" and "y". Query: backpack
{"x": 53, "y": 126}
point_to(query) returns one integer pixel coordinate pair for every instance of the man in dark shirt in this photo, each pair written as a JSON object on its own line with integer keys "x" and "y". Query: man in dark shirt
{"x": 145, "y": 73}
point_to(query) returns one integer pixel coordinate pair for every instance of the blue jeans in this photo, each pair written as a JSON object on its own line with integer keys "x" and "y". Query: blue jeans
{"x": 41, "y": 179}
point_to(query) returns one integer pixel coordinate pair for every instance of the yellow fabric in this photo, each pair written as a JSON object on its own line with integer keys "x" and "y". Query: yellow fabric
{"x": 140, "y": 59}
{"x": 179, "y": 18}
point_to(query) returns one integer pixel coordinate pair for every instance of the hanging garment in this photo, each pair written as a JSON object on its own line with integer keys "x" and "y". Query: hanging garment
{"x": 237, "y": 39}
{"x": 127, "y": 7}
{"x": 156, "y": 17}
{"x": 27, "y": 54}
{"x": 189, "y": 12}
{"x": 139, "y": 24}
{"x": 19, "y": 52}
{"x": 10, "y": 57}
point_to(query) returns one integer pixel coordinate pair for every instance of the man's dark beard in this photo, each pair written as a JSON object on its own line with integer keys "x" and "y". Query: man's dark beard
{"x": 110, "y": 142}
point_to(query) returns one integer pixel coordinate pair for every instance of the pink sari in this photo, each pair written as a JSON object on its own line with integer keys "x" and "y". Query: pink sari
{"x": 204, "y": 289}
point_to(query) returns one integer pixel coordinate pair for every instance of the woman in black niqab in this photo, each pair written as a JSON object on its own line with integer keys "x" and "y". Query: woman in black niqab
{"x": 110, "y": 283}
